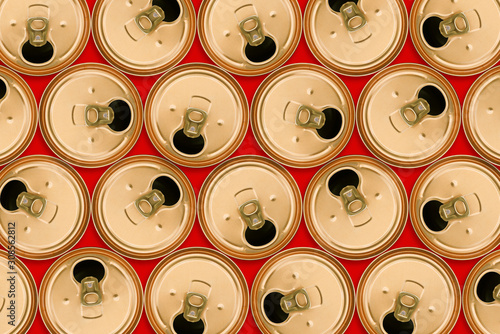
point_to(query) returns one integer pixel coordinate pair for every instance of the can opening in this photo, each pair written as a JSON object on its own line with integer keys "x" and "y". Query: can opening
{"x": 10, "y": 192}
{"x": 431, "y": 217}
{"x": 122, "y": 117}
{"x": 486, "y": 286}
{"x": 436, "y": 99}
{"x": 335, "y": 5}
{"x": 171, "y": 8}
{"x": 333, "y": 124}
{"x": 3, "y": 89}
{"x": 272, "y": 308}
{"x": 37, "y": 54}
{"x": 342, "y": 179}
{"x": 88, "y": 268}
{"x": 188, "y": 145}
{"x": 262, "y": 52}
{"x": 392, "y": 326}
{"x": 431, "y": 33}
{"x": 262, "y": 236}
{"x": 182, "y": 326}
{"x": 169, "y": 188}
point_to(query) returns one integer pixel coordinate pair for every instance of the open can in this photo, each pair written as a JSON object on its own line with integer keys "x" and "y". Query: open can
{"x": 355, "y": 37}
{"x": 46, "y": 203}
{"x": 196, "y": 290}
{"x": 302, "y": 290}
{"x": 144, "y": 207}
{"x": 302, "y": 115}
{"x": 408, "y": 290}
{"x": 43, "y": 37}
{"x": 355, "y": 207}
{"x": 249, "y": 207}
{"x": 91, "y": 115}
{"x": 91, "y": 290}
{"x": 408, "y": 115}
{"x": 249, "y": 37}
{"x": 143, "y": 37}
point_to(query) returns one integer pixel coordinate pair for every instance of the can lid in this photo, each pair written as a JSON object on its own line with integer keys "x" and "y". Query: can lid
{"x": 356, "y": 37}
{"x": 455, "y": 207}
{"x": 144, "y": 207}
{"x": 408, "y": 290}
{"x": 302, "y": 290}
{"x": 249, "y": 207}
{"x": 91, "y": 115}
{"x": 44, "y": 37}
{"x": 144, "y": 38}
{"x": 481, "y": 295}
{"x": 196, "y": 115}
{"x": 14, "y": 272}
{"x": 249, "y": 37}
{"x": 408, "y": 115}
{"x": 479, "y": 114}
{"x": 355, "y": 207}
{"x": 19, "y": 114}
{"x": 302, "y": 115}
{"x": 97, "y": 292}
{"x": 47, "y": 201}
{"x": 196, "y": 290}
{"x": 457, "y": 37}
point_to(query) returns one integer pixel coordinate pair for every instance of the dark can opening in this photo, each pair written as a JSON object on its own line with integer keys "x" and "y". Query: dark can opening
{"x": 393, "y": 326}
{"x": 37, "y": 54}
{"x": 169, "y": 188}
{"x": 342, "y": 179}
{"x": 9, "y": 194}
{"x": 261, "y": 52}
{"x": 487, "y": 283}
{"x": 262, "y": 236}
{"x": 182, "y": 326}
{"x": 88, "y": 268}
{"x": 333, "y": 124}
{"x": 432, "y": 34}
{"x": 171, "y": 8}
{"x": 188, "y": 145}
{"x": 272, "y": 308}
{"x": 431, "y": 217}
{"x": 123, "y": 115}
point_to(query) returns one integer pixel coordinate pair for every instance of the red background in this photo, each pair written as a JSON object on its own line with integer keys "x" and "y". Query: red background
{"x": 250, "y": 146}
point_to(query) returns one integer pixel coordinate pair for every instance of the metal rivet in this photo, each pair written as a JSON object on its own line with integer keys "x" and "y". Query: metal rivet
{"x": 309, "y": 323}
{"x": 333, "y": 34}
{"x": 295, "y": 275}
{"x": 220, "y": 306}
{"x": 310, "y": 91}
{"x": 173, "y": 292}
{"x": 65, "y": 301}
{"x": 272, "y": 14}
{"x": 129, "y": 187}
{"x": 468, "y": 231}
{"x": 159, "y": 227}
{"x": 272, "y": 198}
{"x": 227, "y": 217}
{"x": 395, "y": 94}
{"x": 63, "y": 24}
{"x": 469, "y": 47}
{"x": 227, "y": 33}
{"x": 13, "y": 23}
{"x": 48, "y": 184}
{"x": 172, "y": 108}
{"x": 295, "y": 139}
{"x": 10, "y": 120}
{"x": 116, "y": 297}
{"x": 130, "y": 3}
{"x": 159, "y": 43}
{"x": 378, "y": 12}
{"x": 333, "y": 218}
{"x": 454, "y": 183}
{"x": 489, "y": 111}
{"x": 432, "y": 309}
{"x": 27, "y": 229}
{"x": 378, "y": 196}
{"x": 220, "y": 122}
{"x": 385, "y": 290}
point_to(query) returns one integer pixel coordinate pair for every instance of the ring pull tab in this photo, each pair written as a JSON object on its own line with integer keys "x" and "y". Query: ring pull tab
{"x": 250, "y": 25}
{"x": 196, "y": 116}
{"x": 194, "y": 305}
{"x": 460, "y": 207}
{"x": 149, "y": 19}
{"x": 97, "y": 115}
{"x": 250, "y": 209}
{"x": 406, "y": 304}
{"x": 37, "y": 25}
{"x": 148, "y": 204}
{"x": 355, "y": 22}
{"x": 410, "y": 114}
{"x": 298, "y": 300}
{"x": 90, "y": 297}
{"x": 307, "y": 117}
{"x": 353, "y": 202}
{"x": 33, "y": 204}
{"x": 461, "y": 23}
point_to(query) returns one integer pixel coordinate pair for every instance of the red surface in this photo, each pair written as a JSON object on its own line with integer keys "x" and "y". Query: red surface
{"x": 250, "y": 146}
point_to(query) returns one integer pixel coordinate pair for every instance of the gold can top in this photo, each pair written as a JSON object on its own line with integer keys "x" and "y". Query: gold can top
{"x": 91, "y": 115}
{"x": 42, "y": 37}
{"x": 249, "y": 207}
{"x": 18, "y": 115}
{"x": 196, "y": 115}
{"x": 455, "y": 207}
{"x": 92, "y": 290}
{"x": 144, "y": 37}
{"x": 408, "y": 290}
{"x": 408, "y": 115}
{"x": 356, "y": 37}
{"x": 48, "y": 203}
{"x": 457, "y": 37}
{"x": 302, "y": 290}
{"x": 196, "y": 290}
{"x": 302, "y": 115}
{"x": 144, "y": 207}
{"x": 355, "y": 207}
{"x": 249, "y": 37}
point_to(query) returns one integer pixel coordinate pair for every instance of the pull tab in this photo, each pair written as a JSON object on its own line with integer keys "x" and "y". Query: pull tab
{"x": 97, "y": 115}
{"x": 148, "y": 204}
{"x": 250, "y": 209}
{"x": 196, "y": 116}
{"x": 410, "y": 114}
{"x": 37, "y": 25}
{"x": 354, "y": 203}
{"x": 355, "y": 22}
{"x": 149, "y": 19}
{"x": 460, "y": 207}
{"x": 33, "y": 204}
{"x": 461, "y": 23}
{"x": 406, "y": 304}
{"x": 91, "y": 297}
{"x": 309, "y": 118}
{"x": 250, "y": 25}
{"x": 295, "y": 301}
{"x": 194, "y": 305}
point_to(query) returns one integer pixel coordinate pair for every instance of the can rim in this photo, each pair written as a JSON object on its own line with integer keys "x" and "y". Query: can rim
{"x": 363, "y": 100}
{"x": 350, "y": 255}
{"x": 51, "y": 87}
{"x": 349, "y": 129}
{"x": 223, "y": 167}
{"x": 98, "y": 223}
{"x": 466, "y": 116}
{"x": 309, "y": 251}
{"x": 351, "y": 72}
{"x": 212, "y": 54}
{"x": 153, "y": 94}
{"x": 34, "y": 115}
{"x": 41, "y": 255}
{"x": 408, "y": 251}
{"x": 98, "y": 40}
{"x": 436, "y": 65}
{"x": 414, "y": 216}
{"x": 73, "y": 56}
{"x": 93, "y": 251}
{"x": 194, "y": 251}
{"x": 33, "y": 293}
